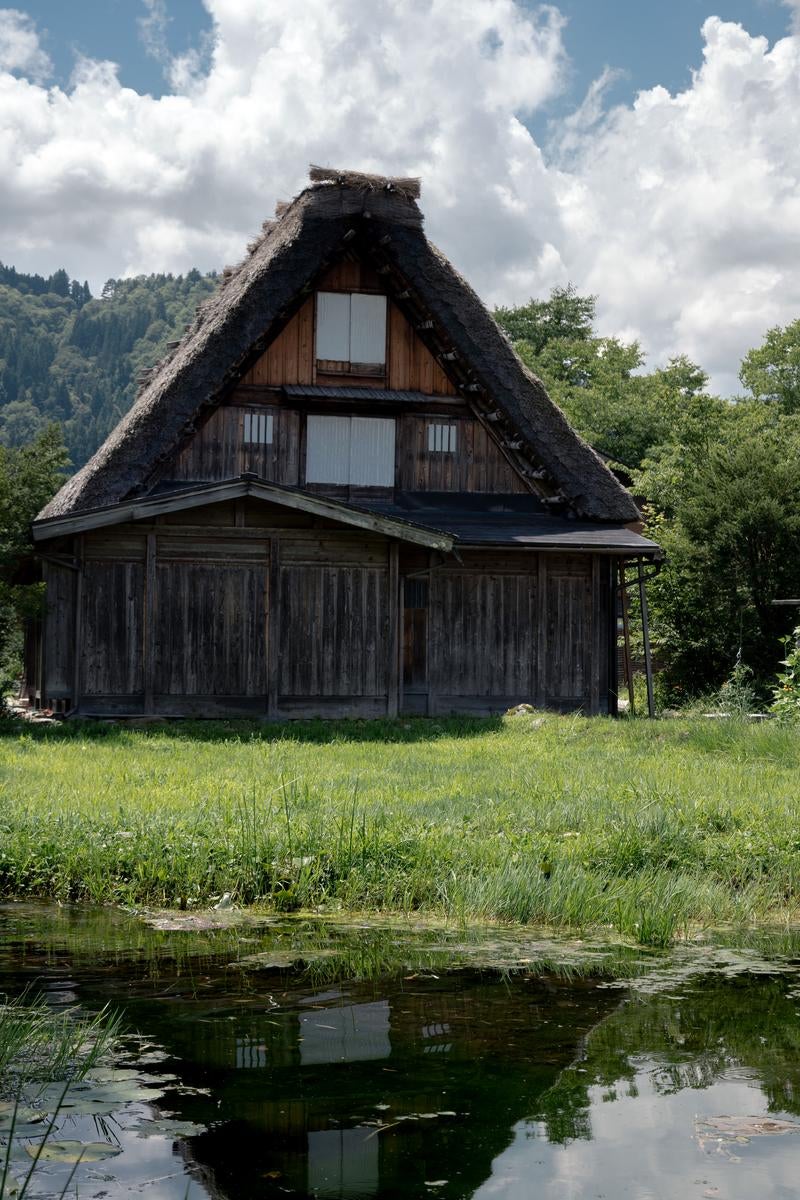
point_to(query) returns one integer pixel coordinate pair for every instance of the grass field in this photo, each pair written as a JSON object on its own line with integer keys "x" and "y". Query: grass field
{"x": 646, "y": 827}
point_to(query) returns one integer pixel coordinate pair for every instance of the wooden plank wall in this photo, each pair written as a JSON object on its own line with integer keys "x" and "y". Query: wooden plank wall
{"x": 502, "y": 632}
{"x": 217, "y": 451}
{"x": 246, "y": 611}
{"x": 477, "y": 465}
{"x": 290, "y": 358}
{"x": 334, "y": 618}
{"x": 58, "y": 636}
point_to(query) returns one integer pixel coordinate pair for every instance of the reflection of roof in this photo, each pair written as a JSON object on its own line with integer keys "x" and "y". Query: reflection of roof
{"x": 519, "y": 521}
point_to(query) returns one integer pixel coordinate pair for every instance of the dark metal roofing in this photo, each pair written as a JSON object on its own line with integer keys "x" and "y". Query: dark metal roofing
{"x": 316, "y": 391}
{"x": 520, "y": 521}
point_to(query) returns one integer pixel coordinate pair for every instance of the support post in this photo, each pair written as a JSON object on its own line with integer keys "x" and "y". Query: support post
{"x": 541, "y": 633}
{"x": 150, "y": 625}
{"x": 626, "y": 637}
{"x": 596, "y": 625}
{"x": 395, "y": 609}
{"x": 431, "y": 651}
{"x": 273, "y": 626}
{"x": 648, "y": 662}
{"x": 78, "y": 662}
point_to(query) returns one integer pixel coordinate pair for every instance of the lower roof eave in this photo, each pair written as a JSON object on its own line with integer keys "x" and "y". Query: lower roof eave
{"x": 197, "y": 496}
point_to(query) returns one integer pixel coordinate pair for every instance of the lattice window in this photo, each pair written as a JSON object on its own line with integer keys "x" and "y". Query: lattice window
{"x": 442, "y": 439}
{"x": 257, "y": 429}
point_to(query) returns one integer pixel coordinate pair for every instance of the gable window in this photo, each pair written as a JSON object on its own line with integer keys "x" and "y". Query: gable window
{"x": 442, "y": 439}
{"x": 350, "y": 450}
{"x": 351, "y": 331}
{"x": 257, "y": 430}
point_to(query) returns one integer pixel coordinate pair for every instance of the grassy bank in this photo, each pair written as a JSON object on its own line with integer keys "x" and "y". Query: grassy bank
{"x": 647, "y": 827}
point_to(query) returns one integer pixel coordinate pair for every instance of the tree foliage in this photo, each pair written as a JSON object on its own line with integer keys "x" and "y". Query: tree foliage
{"x": 771, "y": 372}
{"x": 68, "y": 358}
{"x": 29, "y": 476}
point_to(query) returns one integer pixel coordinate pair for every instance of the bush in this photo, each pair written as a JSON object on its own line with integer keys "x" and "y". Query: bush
{"x": 786, "y": 693}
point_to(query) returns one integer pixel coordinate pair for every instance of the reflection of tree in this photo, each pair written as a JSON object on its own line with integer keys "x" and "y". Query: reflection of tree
{"x": 689, "y": 1041}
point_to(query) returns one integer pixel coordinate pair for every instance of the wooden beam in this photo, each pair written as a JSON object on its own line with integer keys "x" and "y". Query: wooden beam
{"x": 430, "y": 634}
{"x": 149, "y": 649}
{"x": 395, "y": 616}
{"x": 648, "y": 662}
{"x": 541, "y": 634}
{"x": 273, "y": 626}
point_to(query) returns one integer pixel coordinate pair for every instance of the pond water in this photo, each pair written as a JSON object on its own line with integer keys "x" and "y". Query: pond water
{"x": 313, "y": 1059}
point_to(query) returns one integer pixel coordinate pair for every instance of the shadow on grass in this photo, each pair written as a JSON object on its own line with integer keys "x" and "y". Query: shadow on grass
{"x": 323, "y": 733}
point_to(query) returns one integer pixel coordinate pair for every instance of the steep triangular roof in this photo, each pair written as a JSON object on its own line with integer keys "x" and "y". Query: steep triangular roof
{"x": 256, "y": 299}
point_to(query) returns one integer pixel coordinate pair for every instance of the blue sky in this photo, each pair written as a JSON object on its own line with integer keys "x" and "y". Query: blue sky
{"x": 648, "y": 42}
{"x": 674, "y": 197}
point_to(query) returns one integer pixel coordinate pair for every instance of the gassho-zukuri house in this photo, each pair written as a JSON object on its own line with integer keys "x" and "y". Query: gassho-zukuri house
{"x": 340, "y": 494}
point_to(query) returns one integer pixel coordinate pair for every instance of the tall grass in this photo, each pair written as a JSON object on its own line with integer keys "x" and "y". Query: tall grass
{"x": 647, "y": 827}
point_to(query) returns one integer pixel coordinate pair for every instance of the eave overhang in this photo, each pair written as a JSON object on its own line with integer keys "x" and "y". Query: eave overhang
{"x": 148, "y": 507}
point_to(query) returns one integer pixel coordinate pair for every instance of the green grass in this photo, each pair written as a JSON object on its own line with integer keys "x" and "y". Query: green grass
{"x": 646, "y": 827}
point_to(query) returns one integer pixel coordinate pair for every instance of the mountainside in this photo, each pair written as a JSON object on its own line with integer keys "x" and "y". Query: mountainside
{"x": 68, "y": 357}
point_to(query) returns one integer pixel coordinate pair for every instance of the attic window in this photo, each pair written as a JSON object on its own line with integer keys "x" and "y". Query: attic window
{"x": 442, "y": 439}
{"x": 257, "y": 429}
{"x": 351, "y": 331}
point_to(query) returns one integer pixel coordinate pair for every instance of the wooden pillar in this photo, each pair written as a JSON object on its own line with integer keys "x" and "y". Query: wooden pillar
{"x": 431, "y": 634}
{"x": 78, "y": 661}
{"x": 541, "y": 633}
{"x": 273, "y": 626}
{"x": 648, "y": 662}
{"x": 393, "y": 639}
{"x": 150, "y": 624}
{"x": 595, "y": 625}
{"x": 626, "y": 637}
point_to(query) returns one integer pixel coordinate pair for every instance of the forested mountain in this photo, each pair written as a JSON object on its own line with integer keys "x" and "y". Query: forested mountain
{"x": 71, "y": 358}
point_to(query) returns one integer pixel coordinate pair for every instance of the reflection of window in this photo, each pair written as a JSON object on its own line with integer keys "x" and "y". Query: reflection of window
{"x": 351, "y": 328}
{"x": 343, "y": 1162}
{"x": 257, "y": 429}
{"x": 442, "y": 439}
{"x": 353, "y": 1033}
{"x": 354, "y": 450}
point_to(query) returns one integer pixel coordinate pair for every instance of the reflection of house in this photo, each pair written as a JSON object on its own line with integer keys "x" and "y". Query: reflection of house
{"x": 449, "y": 1066}
{"x": 341, "y": 494}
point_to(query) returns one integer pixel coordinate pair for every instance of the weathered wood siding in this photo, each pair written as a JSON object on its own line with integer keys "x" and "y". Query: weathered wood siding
{"x": 243, "y": 607}
{"x": 210, "y": 618}
{"x": 218, "y": 449}
{"x": 58, "y": 634}
{"x": 510, "y": 627}
{"x": 477, "y": 465}
{"x": 290, "y": 358}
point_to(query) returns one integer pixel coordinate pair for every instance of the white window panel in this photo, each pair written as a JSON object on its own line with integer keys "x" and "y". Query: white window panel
{"x": 367, "y": 329}
{"x": 372, "y": 452}
{"x": 257, "y": 429}
{"x": 442, "y": 439}
{"x": 328, "y": 449}
{"x": 333, "y": 326}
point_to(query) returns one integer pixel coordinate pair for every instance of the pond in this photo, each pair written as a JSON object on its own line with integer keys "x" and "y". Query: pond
{"x": 297, "y": 1058}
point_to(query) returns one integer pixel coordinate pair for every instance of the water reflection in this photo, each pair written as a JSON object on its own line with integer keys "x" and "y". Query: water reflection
{"x": 456, "y": 1084}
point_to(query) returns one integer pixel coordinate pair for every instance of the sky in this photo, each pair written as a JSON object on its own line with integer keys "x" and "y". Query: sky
{"x": 647, "y": 152}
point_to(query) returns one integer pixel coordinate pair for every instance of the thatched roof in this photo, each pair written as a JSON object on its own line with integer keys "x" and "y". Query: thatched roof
{"x": 254, "y": 302}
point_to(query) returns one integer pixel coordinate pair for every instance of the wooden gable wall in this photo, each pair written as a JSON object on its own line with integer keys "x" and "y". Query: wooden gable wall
{"x": 217, "y": 450}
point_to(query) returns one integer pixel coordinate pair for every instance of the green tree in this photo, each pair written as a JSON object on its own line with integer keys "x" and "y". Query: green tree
{"x": 771, "y": 372}
{"x": 29, "y": 475}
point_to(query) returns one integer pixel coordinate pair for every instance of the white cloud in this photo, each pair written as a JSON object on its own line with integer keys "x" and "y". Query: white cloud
{"x": 153, "y": 29}
{"x": 19, "y": 45}
{"x": 681, "y": 212}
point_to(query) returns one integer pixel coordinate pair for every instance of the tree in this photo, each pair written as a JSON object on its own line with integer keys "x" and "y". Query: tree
{"x": 29, "y": 475}
{"x": 771, "y": 372}
{"x": 727, "y": 511}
